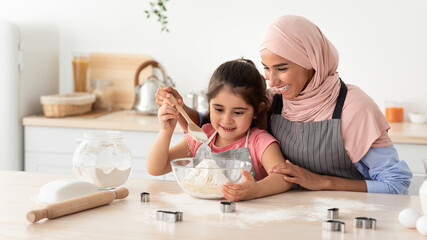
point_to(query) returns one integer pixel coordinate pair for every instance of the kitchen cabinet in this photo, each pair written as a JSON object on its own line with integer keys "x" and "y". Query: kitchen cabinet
{"x": 413, "y": 154}
{"x": 410, "y": 140}
{"x": 50, "y": 142}
{"x": 50, "y": 149}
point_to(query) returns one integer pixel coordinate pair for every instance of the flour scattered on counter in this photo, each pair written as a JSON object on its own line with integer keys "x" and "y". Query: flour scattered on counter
{"x": 246, "y": 216}
{"x": 318, "y": 211}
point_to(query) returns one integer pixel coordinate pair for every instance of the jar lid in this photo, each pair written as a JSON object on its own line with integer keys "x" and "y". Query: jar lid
{"x": 102, "y": 135}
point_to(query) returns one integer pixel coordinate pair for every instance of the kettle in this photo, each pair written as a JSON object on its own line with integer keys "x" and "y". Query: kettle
{"x": 145, "y": 99}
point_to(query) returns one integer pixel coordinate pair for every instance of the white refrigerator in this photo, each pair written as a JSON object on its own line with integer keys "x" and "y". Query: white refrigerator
{"x": 29, "y": 58}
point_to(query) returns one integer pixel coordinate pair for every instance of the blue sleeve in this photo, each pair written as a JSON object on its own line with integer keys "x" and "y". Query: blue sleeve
{"x": 384, "y": 172}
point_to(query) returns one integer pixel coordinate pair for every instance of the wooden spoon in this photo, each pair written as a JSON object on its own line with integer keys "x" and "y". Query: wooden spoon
{"x": 195, "y": 131}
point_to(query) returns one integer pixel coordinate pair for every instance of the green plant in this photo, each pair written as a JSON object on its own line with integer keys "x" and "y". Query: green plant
{"x": 158, "y": 8}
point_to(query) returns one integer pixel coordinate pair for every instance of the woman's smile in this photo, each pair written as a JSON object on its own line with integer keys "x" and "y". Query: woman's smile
{"x": 283, "y": 89}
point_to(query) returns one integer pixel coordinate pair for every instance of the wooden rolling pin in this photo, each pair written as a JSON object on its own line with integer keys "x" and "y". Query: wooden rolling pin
{"x": 77, "y": 204}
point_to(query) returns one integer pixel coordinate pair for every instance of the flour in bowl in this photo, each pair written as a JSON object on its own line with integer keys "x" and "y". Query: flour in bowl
{"x": 205, "y": 180}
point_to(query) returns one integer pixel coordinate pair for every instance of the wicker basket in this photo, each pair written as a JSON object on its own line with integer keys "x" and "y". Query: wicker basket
{"x": 61, "y": 105}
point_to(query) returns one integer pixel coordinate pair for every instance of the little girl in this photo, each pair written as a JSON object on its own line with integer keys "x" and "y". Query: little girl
{"x": 237, "y": 108}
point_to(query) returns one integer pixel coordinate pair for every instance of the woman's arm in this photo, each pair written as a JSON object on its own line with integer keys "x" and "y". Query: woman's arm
{"x": 313, "y": 181}
{"x": 272, "y": 184}
{"x": 384, "y": 172}
{"x": 381, "y": 167}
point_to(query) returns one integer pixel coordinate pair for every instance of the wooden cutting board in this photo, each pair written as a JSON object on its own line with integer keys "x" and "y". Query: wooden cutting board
{"x": 120, "y": 69}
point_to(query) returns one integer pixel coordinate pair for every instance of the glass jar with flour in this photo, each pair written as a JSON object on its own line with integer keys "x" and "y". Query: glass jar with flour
{"x": 102, "y": 159}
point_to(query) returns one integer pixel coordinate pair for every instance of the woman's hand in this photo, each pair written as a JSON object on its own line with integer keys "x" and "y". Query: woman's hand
{"x": 168, "y": 115}
{"x": 163, "y": 92}
{"x": 240, "y": 191}
{"x": 298, "y": 175}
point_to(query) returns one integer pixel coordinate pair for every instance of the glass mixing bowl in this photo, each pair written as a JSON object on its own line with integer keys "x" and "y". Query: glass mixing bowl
{"x": 203, "y": 178}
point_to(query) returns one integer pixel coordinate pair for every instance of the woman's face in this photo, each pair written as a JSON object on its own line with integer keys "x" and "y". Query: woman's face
{"x": 289, "y": 78}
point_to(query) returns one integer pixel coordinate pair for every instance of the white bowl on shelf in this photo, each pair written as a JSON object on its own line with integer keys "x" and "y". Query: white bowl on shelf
{"x": 417, "y": 117}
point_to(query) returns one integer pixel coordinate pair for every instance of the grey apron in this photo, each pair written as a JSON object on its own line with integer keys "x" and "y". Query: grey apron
{"x": 315, "y": 146}
{"x": 243, "y": 154}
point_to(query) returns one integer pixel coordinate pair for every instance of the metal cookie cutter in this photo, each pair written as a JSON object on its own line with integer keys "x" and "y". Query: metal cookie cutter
{"x": 145, "y": 197}
{"x": 227, "y": 207}
{"x": 333, "y": 226}
{"x": 333, "y": 213}
{"x": 365, "y": 223}
{"x": 169, "y": 216}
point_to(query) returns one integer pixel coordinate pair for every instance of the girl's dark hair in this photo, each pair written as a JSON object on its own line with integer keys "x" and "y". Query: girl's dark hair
{"x": 241, "y": 77}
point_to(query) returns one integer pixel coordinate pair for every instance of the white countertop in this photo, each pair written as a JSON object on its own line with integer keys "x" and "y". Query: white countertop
{"x": 291, "y": 215}
{"x": 408, "y": 133}
{"x": 118, "y": 120}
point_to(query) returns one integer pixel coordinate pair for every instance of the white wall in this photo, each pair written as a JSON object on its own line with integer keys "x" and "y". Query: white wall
{"x": 382, "y": 43}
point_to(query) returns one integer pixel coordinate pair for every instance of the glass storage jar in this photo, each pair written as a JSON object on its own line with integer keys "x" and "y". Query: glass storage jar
{"x": 102, "y": 159}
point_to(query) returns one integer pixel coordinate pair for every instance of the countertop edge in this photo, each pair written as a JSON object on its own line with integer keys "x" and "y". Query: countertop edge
{"x": 134, "y": 123}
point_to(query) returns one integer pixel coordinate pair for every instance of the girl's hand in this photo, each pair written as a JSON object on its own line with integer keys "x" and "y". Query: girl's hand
{"x": 163, "y": 93}
{"x": 303, "y": 177}
{"x": 240, "y": 191}
{"x": 168, "y": 115}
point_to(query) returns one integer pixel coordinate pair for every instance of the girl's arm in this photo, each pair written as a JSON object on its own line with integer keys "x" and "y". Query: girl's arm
{"x": 158, "y": 160}
{"x": 159, "y": 156}
{"x": 272, "y": 184}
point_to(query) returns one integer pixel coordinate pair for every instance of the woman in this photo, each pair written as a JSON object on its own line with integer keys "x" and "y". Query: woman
{"x": 333, "y": 135}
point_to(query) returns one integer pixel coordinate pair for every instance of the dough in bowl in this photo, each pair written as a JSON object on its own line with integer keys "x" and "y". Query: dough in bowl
{"x": 205, "y": 180}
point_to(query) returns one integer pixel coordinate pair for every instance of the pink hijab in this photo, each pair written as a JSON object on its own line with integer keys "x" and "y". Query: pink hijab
{"x": 362, "y": 123}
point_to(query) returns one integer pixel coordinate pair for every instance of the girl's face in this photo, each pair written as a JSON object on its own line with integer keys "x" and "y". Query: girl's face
{"x": 285, "y": 75}
{"x": 230, "y": 115}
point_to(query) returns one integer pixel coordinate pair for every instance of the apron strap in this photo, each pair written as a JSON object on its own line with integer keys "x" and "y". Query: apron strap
{"x": 340, "y": 101}
{"x": 247, "y": 137}
{"x": 211, "y": 137}
{"x": 276, "y": 108}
